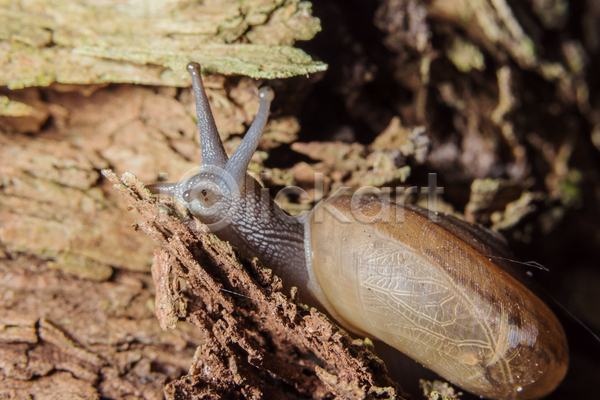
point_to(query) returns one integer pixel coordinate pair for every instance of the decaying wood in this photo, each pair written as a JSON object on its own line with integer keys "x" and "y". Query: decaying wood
{"x": 70, "y": 338}
{"x": 259, "y": 342}
{"x": 500, "y": 98}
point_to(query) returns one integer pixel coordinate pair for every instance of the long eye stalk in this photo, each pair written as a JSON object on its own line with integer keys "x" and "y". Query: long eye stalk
{"x": 213, "y": 152}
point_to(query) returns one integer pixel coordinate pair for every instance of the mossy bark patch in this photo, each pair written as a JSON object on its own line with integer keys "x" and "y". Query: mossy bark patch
{"x": 42, "y": 42}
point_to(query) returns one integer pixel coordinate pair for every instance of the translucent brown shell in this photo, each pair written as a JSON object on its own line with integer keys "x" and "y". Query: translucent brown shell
{"x": 434, "y": 297}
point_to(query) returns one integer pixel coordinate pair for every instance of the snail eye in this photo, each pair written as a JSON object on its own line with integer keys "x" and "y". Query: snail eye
{"x": 186, "y": 195}
{"x": 204, "y": 193}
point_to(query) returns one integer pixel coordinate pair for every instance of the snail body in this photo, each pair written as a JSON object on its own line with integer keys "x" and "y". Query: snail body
{"x": 416, "y": 285}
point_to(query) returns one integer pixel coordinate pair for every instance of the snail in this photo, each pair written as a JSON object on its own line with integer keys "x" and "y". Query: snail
{"x": 427, "y": 288}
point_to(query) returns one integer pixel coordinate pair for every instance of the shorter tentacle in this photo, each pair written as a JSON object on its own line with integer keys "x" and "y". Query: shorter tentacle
{"x": 162, "y": 188}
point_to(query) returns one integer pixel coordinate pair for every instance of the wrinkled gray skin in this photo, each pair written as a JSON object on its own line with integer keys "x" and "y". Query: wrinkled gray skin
{"x": 233, "y": 204}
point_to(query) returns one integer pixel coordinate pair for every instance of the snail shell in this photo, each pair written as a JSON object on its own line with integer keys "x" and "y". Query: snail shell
{"x": 432, "y": 296}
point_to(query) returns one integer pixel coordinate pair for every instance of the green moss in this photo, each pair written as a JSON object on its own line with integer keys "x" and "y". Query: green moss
{"x": 465, "y": 55}
{"x": 570, "y": 188}
{"x": 13, "y": 108}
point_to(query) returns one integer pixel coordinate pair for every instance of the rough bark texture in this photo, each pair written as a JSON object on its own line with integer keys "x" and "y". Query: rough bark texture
{"x": 83, "y": 42}
{"x": 501, "y": 99}
{"x": 82, "y": 339}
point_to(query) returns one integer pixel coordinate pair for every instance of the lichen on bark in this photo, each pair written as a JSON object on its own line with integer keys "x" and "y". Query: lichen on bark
{"x": 83, "y": 42}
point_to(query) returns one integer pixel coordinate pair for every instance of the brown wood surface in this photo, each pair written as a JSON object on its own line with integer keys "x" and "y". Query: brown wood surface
{"x": 475, "y": 89}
